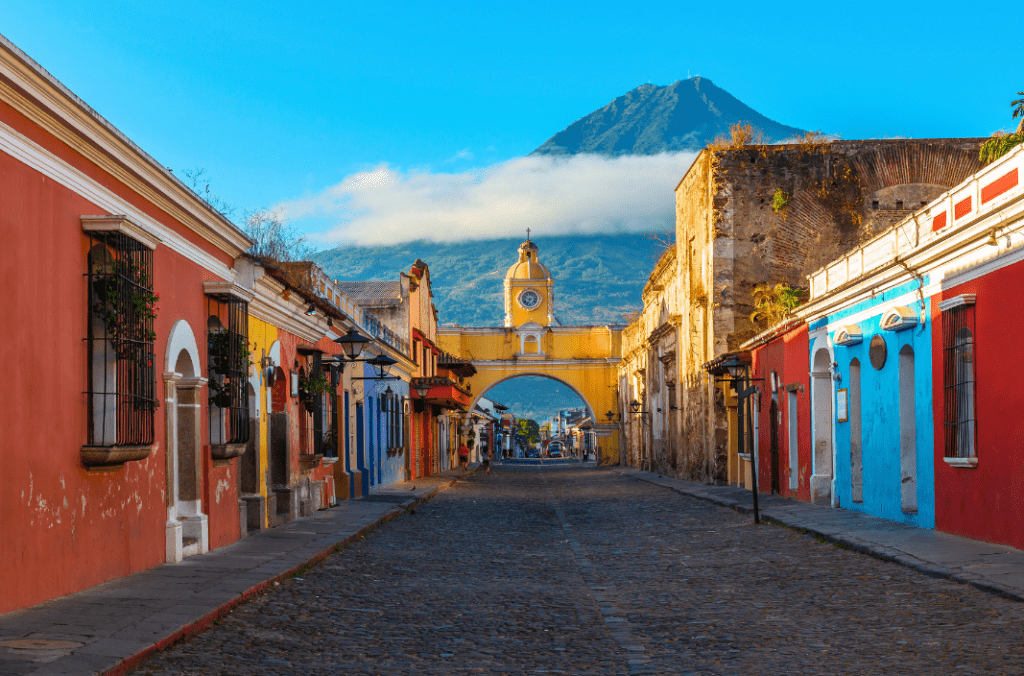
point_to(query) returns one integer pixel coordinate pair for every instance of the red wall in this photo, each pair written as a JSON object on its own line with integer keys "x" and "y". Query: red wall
{"x": 788, "y": 355}
{"x": 987, "y": 502}
{"x": 65, "y": 529}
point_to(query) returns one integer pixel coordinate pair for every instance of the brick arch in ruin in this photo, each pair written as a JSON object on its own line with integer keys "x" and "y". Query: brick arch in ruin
{"x": 893, "y": 181}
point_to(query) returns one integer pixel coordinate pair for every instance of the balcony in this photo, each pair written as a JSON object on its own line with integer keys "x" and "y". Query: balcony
{"x": 444, "y": 392}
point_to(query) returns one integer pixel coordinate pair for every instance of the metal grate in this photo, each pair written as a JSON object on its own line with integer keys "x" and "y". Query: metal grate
{"x": 958, "y": 382}
{"x": 329, "y": 447}
{"x": 228, "y": 362}
{"x": 122, "y": 307}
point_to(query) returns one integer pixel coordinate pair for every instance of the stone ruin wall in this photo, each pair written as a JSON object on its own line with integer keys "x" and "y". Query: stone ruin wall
{"x": 729, "y": 239}
{"x": 841, "y": 194}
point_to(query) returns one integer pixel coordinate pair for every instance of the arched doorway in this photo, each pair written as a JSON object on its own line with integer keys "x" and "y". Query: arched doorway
{"x": 559, "y": 410}
{"x": 187, "y": 530}
{"x": 908, "y": 432}
{"x": 821, "y": 384}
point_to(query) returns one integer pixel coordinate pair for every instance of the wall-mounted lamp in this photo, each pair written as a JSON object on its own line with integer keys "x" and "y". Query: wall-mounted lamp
{"x": 330, "y": 323}
{"x": 311, "y": 310}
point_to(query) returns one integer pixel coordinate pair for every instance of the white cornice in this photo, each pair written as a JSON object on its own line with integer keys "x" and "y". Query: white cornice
{"x": 56, "y": 169}
{"x": 268, "y": 306}
{"x": 227, "y": 289}
{"x": 40, "y": 97}
{"x": 119, "y": 223}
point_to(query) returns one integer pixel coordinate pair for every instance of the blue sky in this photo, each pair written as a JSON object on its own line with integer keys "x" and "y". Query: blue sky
{"x": 280, "y": 102}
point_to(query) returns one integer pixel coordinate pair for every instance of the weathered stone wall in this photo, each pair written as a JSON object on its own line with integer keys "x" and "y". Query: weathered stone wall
{"x": 729, "y": 239}
{"x": 840, "y": 194}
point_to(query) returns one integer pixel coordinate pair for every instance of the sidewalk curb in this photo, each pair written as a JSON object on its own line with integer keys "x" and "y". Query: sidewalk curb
{"x": 196, "y": 627}
{"x": 879, "y": 552}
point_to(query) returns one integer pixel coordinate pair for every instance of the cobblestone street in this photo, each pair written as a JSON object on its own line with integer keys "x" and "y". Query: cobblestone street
{"x": 586, "y": 571}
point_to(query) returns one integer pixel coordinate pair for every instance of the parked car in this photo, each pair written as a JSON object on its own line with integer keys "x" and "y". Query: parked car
{"x": 532, "y": 452}
{"x": 555, "y": 449}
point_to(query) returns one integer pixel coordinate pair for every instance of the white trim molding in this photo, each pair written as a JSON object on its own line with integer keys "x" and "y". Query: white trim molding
{"x": 957, "y": 301}
{"x": 899, "y": 318}
{"x": 212, "y": 288}
{"x": 120, "y": 223}
{"x": 848, "y": 334}
{"x": 965, "y": 463}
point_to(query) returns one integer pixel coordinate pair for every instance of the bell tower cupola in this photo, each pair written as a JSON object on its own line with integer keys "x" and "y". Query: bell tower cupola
{"x": 529, "y": 289}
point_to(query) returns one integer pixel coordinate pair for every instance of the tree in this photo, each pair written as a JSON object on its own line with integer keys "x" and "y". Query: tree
{"x": 1018, "y": 111}
{"x": 1001, "y": 142}
{"x": 274, "y": 239}
{"x": 528, "y": 429}
{"x": 773, "y": 303}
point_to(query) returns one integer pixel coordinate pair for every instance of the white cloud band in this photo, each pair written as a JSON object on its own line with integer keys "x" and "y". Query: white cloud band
{"x": 550, "y": 195}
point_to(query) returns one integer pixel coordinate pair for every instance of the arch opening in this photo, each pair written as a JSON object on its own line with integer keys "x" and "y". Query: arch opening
{"x": 560, "y": 411}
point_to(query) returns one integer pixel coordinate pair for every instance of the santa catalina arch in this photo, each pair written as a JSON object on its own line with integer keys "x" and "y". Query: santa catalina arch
{"x": 533, "y": 343}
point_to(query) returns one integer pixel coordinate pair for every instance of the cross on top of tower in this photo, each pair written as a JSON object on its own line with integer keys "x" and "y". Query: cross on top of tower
{"x": 527, "y": 234}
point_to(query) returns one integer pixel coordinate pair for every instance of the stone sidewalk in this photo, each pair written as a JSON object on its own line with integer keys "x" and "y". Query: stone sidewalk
{"x": 111, "y": 628}
{"x": 993, "y": 568}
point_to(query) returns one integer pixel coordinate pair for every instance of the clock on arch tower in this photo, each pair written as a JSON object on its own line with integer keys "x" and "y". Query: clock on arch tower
{"x": 529, "y": 290}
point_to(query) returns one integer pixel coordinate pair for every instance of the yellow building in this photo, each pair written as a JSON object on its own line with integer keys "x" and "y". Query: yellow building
{"x": 533, "y": 343}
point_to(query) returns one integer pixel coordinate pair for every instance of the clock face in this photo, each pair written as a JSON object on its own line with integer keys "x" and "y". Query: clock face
{"x": 529, "y": 299}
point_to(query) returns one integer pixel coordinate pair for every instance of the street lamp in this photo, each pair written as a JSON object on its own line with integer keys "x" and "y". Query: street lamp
{"x": 634, "y": 406}
{"x": 422, "y": 388}
{"x": 737, "y": 371}
{"x": 352, "y": 343}
{"x": 381, "y": 363}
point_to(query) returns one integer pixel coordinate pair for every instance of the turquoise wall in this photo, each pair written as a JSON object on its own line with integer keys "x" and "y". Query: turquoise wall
{"x": 880, "y": 414}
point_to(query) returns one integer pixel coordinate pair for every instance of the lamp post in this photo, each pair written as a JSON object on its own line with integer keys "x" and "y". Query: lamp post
{"x": 352, "y": 344}
{"x": 737, "y": 371}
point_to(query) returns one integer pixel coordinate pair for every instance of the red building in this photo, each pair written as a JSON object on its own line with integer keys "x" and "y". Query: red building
{"x": 778, "y": 416}
{"x": 978, "y": 420}
{"x": 105, "y": 310}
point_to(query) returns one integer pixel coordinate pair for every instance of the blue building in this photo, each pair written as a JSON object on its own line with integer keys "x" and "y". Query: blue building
{"x": 871, "y": 373}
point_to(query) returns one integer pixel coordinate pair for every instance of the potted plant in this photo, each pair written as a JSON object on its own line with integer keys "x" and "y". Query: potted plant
{"x": 310, "y": 389}
{"x": 228, "y": 352}
{"x": 125, "y": 303}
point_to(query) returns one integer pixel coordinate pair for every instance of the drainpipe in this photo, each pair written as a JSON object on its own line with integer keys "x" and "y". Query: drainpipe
{"x": 920, "y": 289}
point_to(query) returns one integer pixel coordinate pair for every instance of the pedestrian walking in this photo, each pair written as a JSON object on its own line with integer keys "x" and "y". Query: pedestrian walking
{"x": 487, "y": 462}
{"x": 464, "y": 456}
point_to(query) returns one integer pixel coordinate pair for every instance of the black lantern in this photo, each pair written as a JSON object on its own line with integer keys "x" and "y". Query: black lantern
{"x": 381, "y": 363}
{"x": 352, "y": 343}
{"x": 422, "y": 388}
{"x": 634, "y": 406}
{"x": 734, "y": 367}
{"x": 610, "y": 416}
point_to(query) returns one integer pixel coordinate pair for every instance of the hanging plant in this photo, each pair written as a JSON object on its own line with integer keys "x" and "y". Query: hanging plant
{"x": 220, "y": 393}
{"x": 228, "y": 350}
{"x": 126, "y": 304}
{"x": 311, "y": 388}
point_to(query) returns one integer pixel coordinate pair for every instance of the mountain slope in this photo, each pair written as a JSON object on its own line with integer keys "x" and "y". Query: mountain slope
{"x": 598, "y": 278}
{"x": 685, "y": 115}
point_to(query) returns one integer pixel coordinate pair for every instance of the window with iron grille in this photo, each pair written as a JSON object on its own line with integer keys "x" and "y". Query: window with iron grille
{"x": 228, "y": 362}
{"x": 958, "y": 379}
{"x": 122, "y": 306}
{"x": 317, "y": 391}
{"x": 329, "y": 447}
